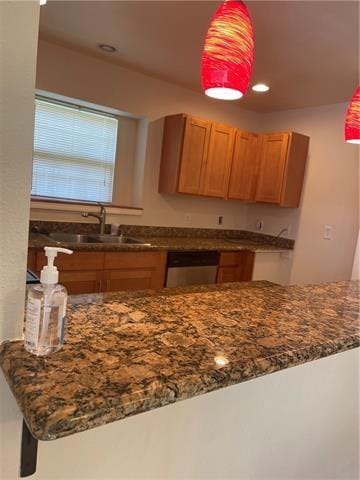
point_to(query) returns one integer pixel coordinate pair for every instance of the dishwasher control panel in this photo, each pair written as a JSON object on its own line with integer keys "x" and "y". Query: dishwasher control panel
{"x": 192, "y": 259}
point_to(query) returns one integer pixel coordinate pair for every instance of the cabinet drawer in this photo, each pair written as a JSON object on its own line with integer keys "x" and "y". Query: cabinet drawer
{"x": 76, "y": 261}
{"x": 131, "y": 260}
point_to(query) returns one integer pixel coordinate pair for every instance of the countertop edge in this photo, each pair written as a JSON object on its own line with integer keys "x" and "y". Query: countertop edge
{"x": 298, "y": 357}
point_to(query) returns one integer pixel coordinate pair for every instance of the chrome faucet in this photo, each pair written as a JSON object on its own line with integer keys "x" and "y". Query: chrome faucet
{"x": 100, "y": 216}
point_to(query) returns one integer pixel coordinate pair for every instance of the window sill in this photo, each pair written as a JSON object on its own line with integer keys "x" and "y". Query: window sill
{"x": 45, "y": 203}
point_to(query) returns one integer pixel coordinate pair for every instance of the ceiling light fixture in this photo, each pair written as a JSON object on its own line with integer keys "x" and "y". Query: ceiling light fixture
{"x": 260, "y": 87}
{"x": 228, "y": 54}
{"x": 107, "y": 48}
{"x": 43, "y": 2}
{"x": 352, "y": 119}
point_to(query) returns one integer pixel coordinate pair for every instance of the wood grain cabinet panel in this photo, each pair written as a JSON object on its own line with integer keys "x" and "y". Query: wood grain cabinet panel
{"x": 80, "y": 272}
{"x": 205, "y": 158}
{"x": 116, "y": 280}
{"x": 227, "y": 274}
{"x": 88, "y": 272}
{"x": 184, "y": 151}
{"x": 282, "y": 167}
{"x": 244, "y": 167}
{"x": 235, "y": 266}
{"x": 77, "y": 282}
{"x": 194, "y": 155}
{"x": 218, "y": 161}
{"x": 134, "y": 270}
{"x": 31, "y": 259}
{"x": 76, "y": 261}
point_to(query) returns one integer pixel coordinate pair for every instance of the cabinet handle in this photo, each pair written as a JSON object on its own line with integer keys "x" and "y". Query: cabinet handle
{"x": 99, "y": 282}
{"x": 107, "y": 285}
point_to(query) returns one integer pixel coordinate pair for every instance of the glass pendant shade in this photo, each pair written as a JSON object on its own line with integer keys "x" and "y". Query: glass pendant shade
{"x": 228, "y": 54}
{"x": 352, "y": 120}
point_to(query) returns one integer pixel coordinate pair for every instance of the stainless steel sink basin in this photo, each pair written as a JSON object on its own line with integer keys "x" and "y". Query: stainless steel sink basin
{"x": 120, "y": 240}
{"x": 93, "y": 238}
{"x": 71, "y": 238}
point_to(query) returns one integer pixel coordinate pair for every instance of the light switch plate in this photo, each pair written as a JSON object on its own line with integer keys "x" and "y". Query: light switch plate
{"x": 328, "y": 232}
{"x": 187, "y": 219}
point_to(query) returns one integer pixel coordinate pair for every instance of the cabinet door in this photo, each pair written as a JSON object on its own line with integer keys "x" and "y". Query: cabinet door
{"x": 80, "y": 272}
{"x": 227, "y": 274}
{"x": 134, "y": 270}
{"x": 272, "y": 167}
{"x": 218, "y": 162}
{"x": 141, "y": 279}
{"x": 194, "y": 153}
{"x": 81, "y": 281}
{"x": 244, "y": 167}
{"x": 235, "y": 266}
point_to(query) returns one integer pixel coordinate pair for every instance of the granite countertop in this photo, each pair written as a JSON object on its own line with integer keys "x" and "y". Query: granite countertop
{"x": 130, "y": 353}
{"x": 162, "y": 243}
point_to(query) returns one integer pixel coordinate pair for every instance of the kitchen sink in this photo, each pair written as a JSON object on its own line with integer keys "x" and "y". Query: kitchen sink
{"x": 120, "y": 240}
{"x": 93, "y": 238}
{"x": 71, "y": 238}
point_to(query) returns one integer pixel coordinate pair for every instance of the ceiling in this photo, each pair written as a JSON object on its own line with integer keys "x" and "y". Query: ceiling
{"x": 307, "y": 51}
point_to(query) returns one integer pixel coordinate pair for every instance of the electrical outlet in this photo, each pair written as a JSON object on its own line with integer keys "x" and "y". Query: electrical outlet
{"x": 187, "y": 219}
{"x": 259, "y": 225}
{"x": 220, "y": 220}
{"x": 328, "y": 232}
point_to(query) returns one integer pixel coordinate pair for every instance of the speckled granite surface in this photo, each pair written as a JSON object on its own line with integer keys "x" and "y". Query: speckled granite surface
{"x": 161, "y": 243}
{"x": 163, "y": 238}
{"x": 134, "y": 353}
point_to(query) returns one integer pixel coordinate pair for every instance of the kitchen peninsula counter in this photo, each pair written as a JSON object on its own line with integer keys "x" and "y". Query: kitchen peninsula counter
{"x": 127, "y": 353}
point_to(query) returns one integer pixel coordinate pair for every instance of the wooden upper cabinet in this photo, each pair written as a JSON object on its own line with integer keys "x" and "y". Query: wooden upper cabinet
{"x": 184, "y": 150}
{"x": 244, "y": 167}
{"x": 194, "y": 154}
{"x": 282, "y": 166}
{"x": 200, "y": 157}
{"x": 218, "y": 161}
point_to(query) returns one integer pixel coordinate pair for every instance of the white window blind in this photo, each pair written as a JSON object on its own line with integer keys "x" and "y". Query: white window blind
{"x": 74, "y": 152}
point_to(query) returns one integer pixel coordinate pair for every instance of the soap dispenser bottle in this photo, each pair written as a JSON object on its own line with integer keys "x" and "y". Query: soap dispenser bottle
{"x": 46, "y": 309}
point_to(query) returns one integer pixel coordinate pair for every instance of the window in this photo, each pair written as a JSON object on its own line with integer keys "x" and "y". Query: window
{"x": 74, "y": 152}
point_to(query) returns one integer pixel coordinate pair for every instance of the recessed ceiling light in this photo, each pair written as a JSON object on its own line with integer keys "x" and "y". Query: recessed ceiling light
{"x": 260, "y": 87}
{"x": 107, "y": 48}
{"x": 43, "y": 2}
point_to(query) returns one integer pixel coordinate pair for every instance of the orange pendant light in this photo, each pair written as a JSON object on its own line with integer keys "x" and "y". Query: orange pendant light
{"x": 228, "y": 54}
{"x": 352, "y": 120}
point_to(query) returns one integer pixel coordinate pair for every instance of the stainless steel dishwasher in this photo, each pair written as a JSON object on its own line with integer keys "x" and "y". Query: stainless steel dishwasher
{"x": 191, "y": 268}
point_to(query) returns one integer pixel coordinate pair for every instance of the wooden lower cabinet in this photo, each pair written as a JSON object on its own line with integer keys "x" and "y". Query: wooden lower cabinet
{"x": 81, "y": 281}
{"x": 235, "y": 266}
{"x": 134, "y": 270}
{"x": 92, "y": 272}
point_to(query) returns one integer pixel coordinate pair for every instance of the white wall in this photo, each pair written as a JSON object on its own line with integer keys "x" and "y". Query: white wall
{"x": 18, "y": 44}
{"x": 77, "y": 75}
{"x": 330, "y": 196}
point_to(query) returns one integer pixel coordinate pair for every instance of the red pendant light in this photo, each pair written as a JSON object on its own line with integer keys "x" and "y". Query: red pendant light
{"x": 352, "y": 119}
{"x": 228, "y": 54}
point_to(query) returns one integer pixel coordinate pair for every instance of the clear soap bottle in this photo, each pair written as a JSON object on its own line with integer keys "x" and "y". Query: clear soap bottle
{"x": 46, "y": 309}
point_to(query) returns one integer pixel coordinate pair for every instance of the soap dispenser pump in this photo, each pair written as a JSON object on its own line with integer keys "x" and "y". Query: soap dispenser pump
{"x": 46, "y": 309}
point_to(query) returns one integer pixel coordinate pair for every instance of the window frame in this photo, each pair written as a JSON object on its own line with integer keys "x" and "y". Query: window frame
{"x": 91, "y": 108}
